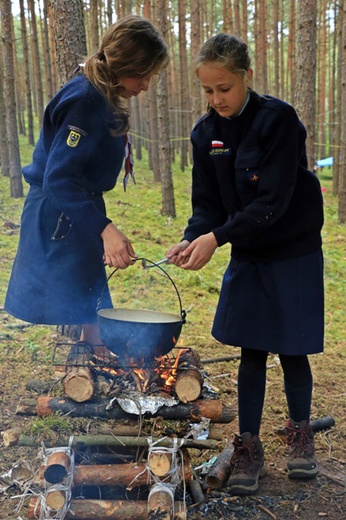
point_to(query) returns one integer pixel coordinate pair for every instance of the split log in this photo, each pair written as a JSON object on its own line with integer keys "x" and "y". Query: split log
{"x": 57, "y": 467}
{"x": 56, "y": 499}
{"x": 10, "y": 437}
{"x": 212, "y": 409}
{"x": 189, "y": 380}
{"x": 160, "y": 505}
{"x": 79, "y": 382}
{"x": 220, "y": 470}
{"x": 111, "y": 509}
{"x": 83, "y": 441}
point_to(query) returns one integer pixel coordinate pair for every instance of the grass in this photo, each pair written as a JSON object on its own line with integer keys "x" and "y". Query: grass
{"x": 137, "y": 212}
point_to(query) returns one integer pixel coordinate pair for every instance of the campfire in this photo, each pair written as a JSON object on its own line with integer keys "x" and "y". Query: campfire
{"x": 127, "y": 462}
{"x": 178, "y": 373}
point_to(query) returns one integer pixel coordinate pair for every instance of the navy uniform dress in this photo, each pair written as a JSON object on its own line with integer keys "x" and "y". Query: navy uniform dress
{"x": 58, "y": 273}
{"x": 252, "y": 188}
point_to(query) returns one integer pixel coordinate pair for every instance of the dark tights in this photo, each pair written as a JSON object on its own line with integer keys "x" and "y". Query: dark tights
{"x": 252, "y": 382}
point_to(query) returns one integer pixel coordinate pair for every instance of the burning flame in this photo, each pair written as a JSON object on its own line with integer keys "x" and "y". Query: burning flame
{"x": 170, "y": 379}
{"x": 164, "y": 371}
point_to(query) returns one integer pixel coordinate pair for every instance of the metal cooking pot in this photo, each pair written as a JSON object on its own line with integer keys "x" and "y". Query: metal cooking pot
{"x": 140, "y": 333}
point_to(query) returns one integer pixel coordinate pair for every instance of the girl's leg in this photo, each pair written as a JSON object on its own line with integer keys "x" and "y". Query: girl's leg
{"x": 247, "y": 463}
{"x": 251, "y": 389}
{"x": 298, "y": 386}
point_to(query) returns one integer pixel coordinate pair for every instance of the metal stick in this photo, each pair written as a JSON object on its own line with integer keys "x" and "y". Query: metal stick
{"x": 146, "y": 266}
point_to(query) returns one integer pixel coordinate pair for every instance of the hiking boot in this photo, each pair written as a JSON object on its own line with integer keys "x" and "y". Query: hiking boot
{"x": 302, "y": 462}
{"x": 247, "y": 465}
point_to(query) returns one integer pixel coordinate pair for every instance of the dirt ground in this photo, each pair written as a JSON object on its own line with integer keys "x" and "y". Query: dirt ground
{"x": 25, "y": 353}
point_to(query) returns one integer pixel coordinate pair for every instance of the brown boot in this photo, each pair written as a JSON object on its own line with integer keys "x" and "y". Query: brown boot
{"x": 247, "y": 465}
{"x": 300, "y": 438}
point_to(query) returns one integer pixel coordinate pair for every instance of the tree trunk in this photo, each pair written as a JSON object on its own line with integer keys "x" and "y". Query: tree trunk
{"x": 168, "y": 204}
{"x": 305, "y": 91}
{"x": 36, "y": 62}
{"x": 342, "y": 167}
{"x": 70, "y": 39}
{"x": 31, "y": 138}
{"x": 10, "y": 101}
{"x": 4, "y": 152}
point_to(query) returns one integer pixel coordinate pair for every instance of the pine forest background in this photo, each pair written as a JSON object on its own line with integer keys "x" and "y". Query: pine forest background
{"x": 298, "y": 54}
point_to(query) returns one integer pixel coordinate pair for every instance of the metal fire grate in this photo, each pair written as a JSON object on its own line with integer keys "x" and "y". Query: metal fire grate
{"x": 101, "y": 357}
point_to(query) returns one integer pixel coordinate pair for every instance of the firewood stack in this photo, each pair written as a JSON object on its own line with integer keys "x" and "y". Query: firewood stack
{"x": 123, "y": 459}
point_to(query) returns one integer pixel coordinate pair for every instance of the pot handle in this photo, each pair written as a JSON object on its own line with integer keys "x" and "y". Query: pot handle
{"x": 182, "y": 312}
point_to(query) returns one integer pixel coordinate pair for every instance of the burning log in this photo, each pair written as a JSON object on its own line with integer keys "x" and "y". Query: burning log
{"x": 111, "y": 509}
{"x": 57, "y": 467}
{"x": 79, "y": 382}
{"x": 220, "y": 470}
{"x": 212, "y": 409}
{"x": 189, "y": 380}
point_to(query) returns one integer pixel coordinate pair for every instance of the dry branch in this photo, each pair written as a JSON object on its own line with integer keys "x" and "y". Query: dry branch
{"x": 83, "y": 441}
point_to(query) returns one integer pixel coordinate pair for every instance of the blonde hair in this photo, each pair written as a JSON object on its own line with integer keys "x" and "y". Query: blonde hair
{"x": 132, "y": 47}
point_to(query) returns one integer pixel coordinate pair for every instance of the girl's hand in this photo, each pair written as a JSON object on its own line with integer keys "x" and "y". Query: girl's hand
{"x": 199, "y": 252}
{"x": 174, "y": 253}
{"x": 118, "y": 251}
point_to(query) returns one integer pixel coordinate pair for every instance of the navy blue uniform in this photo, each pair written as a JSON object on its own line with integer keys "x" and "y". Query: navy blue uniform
{"x": 58, "y": 273}
{"x": 251, "y": 187}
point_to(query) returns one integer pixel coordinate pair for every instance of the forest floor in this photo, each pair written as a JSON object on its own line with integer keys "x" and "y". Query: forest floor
{"x": 26, "y": 353}
{"x": 277, "y": 498}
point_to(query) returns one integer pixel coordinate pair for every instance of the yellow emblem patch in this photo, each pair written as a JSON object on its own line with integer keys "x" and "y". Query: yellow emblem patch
{"x": 73, "y": 139}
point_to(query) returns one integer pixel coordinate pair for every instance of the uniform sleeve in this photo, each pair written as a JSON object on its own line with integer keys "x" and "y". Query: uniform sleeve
{"x": 79, "y": 130}
{"x": 281, "y": 144}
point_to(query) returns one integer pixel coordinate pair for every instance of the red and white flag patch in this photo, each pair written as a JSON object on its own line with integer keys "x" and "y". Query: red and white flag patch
{"x": 217, "y": 144}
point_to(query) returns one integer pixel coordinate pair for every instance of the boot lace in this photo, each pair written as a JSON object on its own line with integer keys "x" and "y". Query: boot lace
{"x": 299, "y": 440}
{"x": 242, "y": 454}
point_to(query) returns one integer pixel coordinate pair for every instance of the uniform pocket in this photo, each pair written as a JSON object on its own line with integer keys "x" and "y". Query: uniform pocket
{"x": 247, "y": 169}
{"x": 63, "y": 227}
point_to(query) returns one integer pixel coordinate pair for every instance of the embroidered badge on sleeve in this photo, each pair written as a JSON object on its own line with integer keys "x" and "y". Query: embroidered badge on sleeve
{"x": 74, "y": 136}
